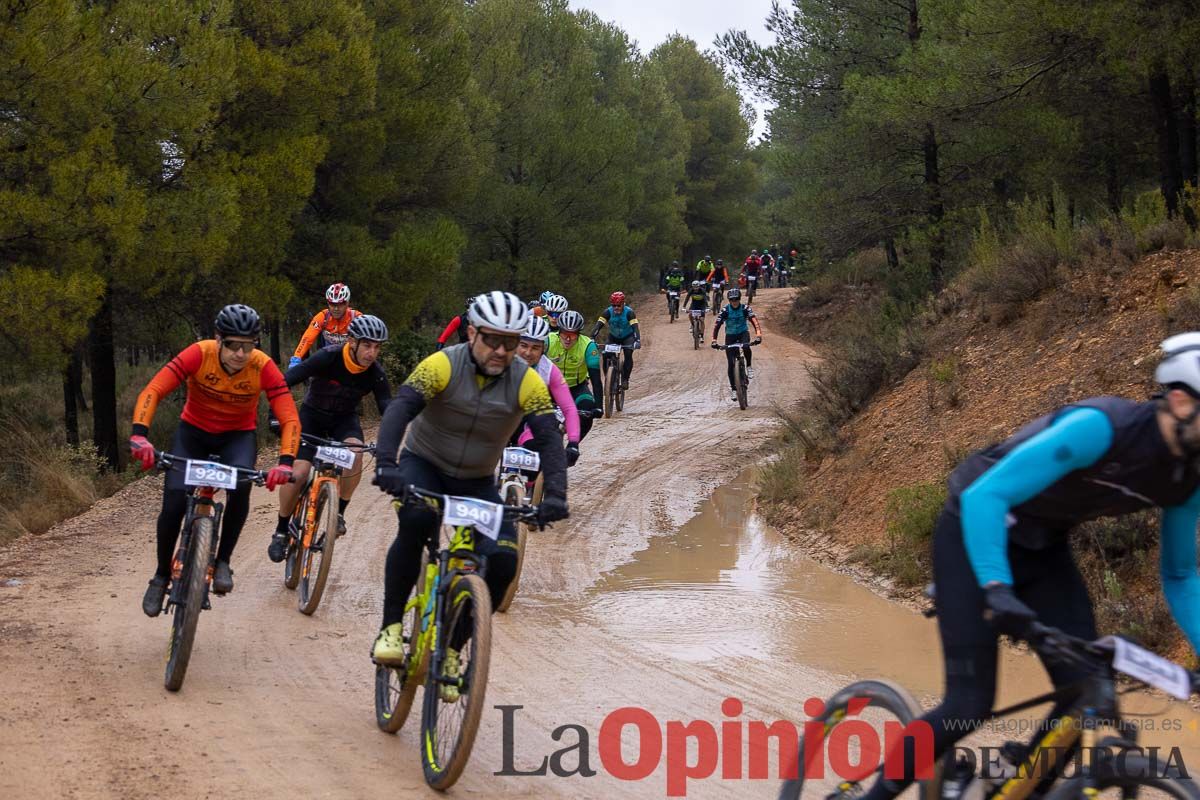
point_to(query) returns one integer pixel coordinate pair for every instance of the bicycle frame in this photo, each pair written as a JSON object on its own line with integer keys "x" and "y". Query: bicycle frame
{"x": 201, "y": 503}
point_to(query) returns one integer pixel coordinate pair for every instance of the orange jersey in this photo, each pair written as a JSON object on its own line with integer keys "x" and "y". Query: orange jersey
{"x": 336, "y": 331}
{"x": 217, "y": 401}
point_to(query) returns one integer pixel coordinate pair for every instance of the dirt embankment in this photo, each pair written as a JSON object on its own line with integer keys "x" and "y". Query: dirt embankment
{"x": 985, "y": 374}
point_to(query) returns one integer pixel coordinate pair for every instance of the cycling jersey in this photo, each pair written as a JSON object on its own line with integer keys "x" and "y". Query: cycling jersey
{"x": 574, "y": 363}
{"x": 620, "y": 323}
{"x": 461, "y": 419}
{"x": 704, "y": 267}
{"x": 736, "y": 320}
{"x": 560, "y": 394}
{"x": 217, "y": 401}
{"x": 326, "y": 326}
{"x": 339, "y": 384}
{"x": 697, "y": 300}
{"x": 457, "y": 325}
{"x": 718, "y": 275}
{"x": 674, "y": 280}
{"x": 752, "y": 266}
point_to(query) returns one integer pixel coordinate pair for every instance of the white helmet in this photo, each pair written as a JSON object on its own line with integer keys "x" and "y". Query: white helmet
{"x": 556, "y": 304}
{"x": 338, "y": 293}
{"x": 538, "y": 329}
{"x": 1180, "y": 367}
{"x": 499, "y": 311}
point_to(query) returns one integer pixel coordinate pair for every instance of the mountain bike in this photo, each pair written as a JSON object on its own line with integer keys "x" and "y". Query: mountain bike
{"x": 673, "y": 303}
{"x": 196, "y": 556}
{"x": 697, "y": 320}
{"x": 741, "y": 379}
{"x": 449, "y": 608}
{"x": 313, "y": 530}
{"x": 783, "y": 279}
{"x": 1037, "y": 768}
{"x": 612, "y": 369}
{"x": 718, "y": 294}
{"x": 751, "y": 285}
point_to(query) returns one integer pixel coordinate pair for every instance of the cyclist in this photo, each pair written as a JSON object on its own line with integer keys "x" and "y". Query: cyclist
{"x": 532, "y": 350}
{"x": 577, "y": 358}
{"x": 341, "y": 377}
{"x": 1000, "y": 545}
{"x": 737, "y": 319}
{"x": 752, "y": 271}
{"x": 697, "y": 300}
{"x": 458, "y": 325}
{"x": 622, "y": 329}
{"x": 555, "y": 306}
{"x": 717, "y": 278}
{"x": 703, "y": 267}
{"x": 224, "y": 377}
{"x": 672, "y": 282}
{"x": 768, "y": 267}
{"x": 463, "y": 403}
{"x": 327, "y": 327}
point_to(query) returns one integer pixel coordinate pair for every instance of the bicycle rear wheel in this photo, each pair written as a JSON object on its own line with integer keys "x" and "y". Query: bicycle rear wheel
{"x": 742, "y": 383}
{"x": 448, "y": 729}
{"x": 891, "y": 702}
{"x": 316, "y": 558}
{"x": 514, "y": 496}
{"x": 395, "y": 687}
{"x": 185, "y": 619}
{"x": 1132, "y": 774}
{"x": 291, "y": 562}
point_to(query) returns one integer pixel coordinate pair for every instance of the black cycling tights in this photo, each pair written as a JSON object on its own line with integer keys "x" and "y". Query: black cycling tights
{"x": 170, "y": 520}
{"x": 1046, "y": 580}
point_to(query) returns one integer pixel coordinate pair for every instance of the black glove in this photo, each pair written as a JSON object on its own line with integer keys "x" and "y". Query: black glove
{"x": 757, "y": 340}
{"x": 552, "y": 509}
{"x": 597, "y": 412}
{"x": 637, "y": 344}
{"x": 1005, "y": 612}
{"x": 716, "y": 346}
{"x": 388, "y": 478}
{"x": 572, "y": 454}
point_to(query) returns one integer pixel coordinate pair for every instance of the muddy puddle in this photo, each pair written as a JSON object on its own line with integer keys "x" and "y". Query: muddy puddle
{"x": 726, "y": 585}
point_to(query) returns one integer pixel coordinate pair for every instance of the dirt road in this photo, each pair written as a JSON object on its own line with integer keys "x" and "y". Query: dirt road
{"x": 280, "y": 705}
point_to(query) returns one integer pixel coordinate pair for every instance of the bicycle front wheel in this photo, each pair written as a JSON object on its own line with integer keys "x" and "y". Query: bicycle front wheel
{"x": 184, "y": 619}
{"x": 515, "y": 496}
{"x": 886, "y": 702}
{"x": 742, "y": 384}
{"x": 610, "y": 390}
{"x": 448, "y": 726}
{"x": 316, "y": 558}
{"x": 395, "y": 687}
{"x": 291, "y": 563}
{"x": 1132, "y": 775}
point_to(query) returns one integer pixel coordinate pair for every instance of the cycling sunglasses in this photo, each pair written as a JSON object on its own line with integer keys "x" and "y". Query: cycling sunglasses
{"x": 239, "y": 347}
{"x": 496, "y": 340}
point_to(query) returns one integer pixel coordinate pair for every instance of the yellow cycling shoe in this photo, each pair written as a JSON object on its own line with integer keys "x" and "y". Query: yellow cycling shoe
{"x": 389, "y": 646}
{"x": 451, "y": 668}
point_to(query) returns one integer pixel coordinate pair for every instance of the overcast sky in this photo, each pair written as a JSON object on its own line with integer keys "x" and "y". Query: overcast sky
{"x": 651, "y": 21}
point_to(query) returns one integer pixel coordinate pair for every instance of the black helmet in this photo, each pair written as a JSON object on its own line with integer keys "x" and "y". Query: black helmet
{"x": 734, "y": 294}
{"x": 368, "y": 327}
{"x": 674, "y": 263}
{"x": 708, "y": 258}
{"x": 720, "y": 262}
{"x": 238, "y": 320}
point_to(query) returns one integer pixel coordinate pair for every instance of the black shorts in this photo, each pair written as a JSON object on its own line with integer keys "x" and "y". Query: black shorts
{"x": 235, "y": 448}
{"x": 328, "y": 426}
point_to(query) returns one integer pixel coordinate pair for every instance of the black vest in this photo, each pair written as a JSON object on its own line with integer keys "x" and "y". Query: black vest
{"x": 1137, "y": 472}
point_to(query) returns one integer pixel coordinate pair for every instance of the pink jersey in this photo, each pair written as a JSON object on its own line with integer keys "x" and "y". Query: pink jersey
{"x": 561, "y": 395}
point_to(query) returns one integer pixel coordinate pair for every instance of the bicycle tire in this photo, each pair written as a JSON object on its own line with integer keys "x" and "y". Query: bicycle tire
{"x": 392, "y": 712}
{"x": 468, "y": 595}
{"x": 1137, "y": 771}
{"x": 291, "y": 562}
{"x": 610, "y": 388}
{"x": 514, "y": 496}
{"x": 742, "y": 384}
{"x": 880, "y": 694}
{"x": 184, "y": 621}
{"x": 695, "y": 337}
{"x": 313, "y": 587}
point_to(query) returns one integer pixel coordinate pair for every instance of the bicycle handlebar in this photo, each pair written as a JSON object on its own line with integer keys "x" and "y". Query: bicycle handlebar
{"x": 411, "y": 493}
{"x": 735, "y": 345}
{"x": 165, "y": 461}
{"x": 323, "y": 442}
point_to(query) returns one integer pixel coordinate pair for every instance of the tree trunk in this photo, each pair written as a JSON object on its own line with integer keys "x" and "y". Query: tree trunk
{"x": 893, "y": 258}
{"x": 104, "y": 383}
{"x": 934, "y": 208}
{"x": 1187, "y": 130}
{"x": 1169, "y": 170}
{"x": 72, "y": 388}
{"x": 275, "y": 356}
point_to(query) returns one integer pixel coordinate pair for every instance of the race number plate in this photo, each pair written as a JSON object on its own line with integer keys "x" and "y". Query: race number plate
{"x": 210, "y": 474}
{"x": 479, "y": 514}
{"x": 672, "y": 294}
{"x": 697, "y": 313}
{"x": 520, "y": 458}
{"x": 1150, "y": 668}
{"x": 339, "y": 456}
{"x": 612, "y": 348}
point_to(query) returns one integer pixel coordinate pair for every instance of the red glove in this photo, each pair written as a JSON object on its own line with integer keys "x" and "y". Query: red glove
{"x": 278, "y": 476}
{"x": 141, "y": 450}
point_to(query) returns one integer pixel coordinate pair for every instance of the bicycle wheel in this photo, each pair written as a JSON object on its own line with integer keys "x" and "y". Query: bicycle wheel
{"x": 742, "y": 383}
{"x": 184, "y": 620}
{"x": 291, "y": 562}
{"x": 514, "y": 495}
{"x": 395, "y": 687}
{"x": 892, "y": 702}
{"x": 613, "y": 377}
{"x": 448, "y": 729}
{"x": 620, "y": 384}
{"x": 1132, "y": 774}
{"x": 316, "y": 558}
{"x": 695, "y": 335}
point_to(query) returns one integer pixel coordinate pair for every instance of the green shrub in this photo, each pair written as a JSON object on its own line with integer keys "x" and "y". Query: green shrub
{"x": 403, "y": 351}
{"x": 912, "y": 512}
